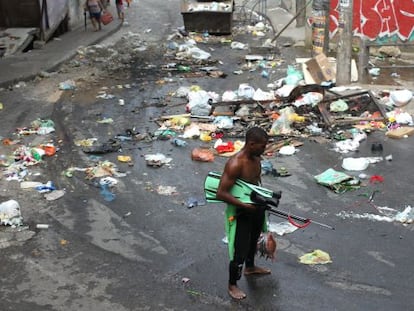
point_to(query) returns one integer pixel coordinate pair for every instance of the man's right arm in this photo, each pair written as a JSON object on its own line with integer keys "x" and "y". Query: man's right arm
{"x": 227, "y": 181}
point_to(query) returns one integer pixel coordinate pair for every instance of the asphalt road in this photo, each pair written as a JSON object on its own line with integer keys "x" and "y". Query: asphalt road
{"x": 132, "y": 253}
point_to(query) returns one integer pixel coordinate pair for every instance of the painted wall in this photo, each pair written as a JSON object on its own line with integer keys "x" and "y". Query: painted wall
{"x": 379, "y": 20}
{"x": 76, "y": 13}
{"x": 56, "y": 11}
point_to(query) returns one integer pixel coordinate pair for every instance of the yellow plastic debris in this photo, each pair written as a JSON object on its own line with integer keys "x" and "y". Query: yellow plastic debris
{"x": 317, "y": 257}
{"x": 124, "y": 158}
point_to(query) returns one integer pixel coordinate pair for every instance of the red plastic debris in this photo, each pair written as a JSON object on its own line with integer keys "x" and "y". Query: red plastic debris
{"x": 376, "y": 179}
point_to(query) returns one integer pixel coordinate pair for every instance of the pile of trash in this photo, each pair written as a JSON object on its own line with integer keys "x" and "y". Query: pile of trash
{"x": 26, "y": 148}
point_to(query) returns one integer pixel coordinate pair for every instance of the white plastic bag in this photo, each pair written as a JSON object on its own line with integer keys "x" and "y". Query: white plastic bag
{"x": 245, "y": 91}
{"x": 355, "y": 164}
{"x": 10, "y": 213}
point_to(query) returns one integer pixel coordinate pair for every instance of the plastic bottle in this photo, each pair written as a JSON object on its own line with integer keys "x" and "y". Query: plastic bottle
{"x": 179, "y": 142}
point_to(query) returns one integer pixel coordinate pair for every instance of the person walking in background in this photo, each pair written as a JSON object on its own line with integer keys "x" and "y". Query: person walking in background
{"x": 128, "y": 2}
{"x": 95, "y": 9}
{"x": 120, "y": 9}
{"x": 244, "y": 222}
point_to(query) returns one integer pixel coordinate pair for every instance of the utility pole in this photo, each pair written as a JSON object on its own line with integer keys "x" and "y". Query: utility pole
{"x": 301, "y": 19}
{"x": 344, "y": 52}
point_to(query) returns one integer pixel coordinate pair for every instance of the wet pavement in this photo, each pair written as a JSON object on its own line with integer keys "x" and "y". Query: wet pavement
{"x": 132, "y": 253}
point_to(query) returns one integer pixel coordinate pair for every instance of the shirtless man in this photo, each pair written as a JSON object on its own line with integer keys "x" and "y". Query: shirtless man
{"x": 244, "y": 222}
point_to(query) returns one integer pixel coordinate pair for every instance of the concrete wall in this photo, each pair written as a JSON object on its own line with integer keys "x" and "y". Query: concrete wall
{"x": 76, "y": 13}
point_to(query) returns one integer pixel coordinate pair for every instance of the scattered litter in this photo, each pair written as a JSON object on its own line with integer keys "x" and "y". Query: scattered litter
{"x": 67, "y": 85}
{"x": 110, "y": 181}
{"x": 178, "y": 142}
{"x": 202, "y": 155}
{"x": 124, "y": 159}
{"x": 45, "y": 188}
{"x": 223, "y": 122}
{"x": 54, "y": 195}
{"x": 10, "y": 213}
{"x": 339, "y": 182}
{"x": 42, "y": 226}
{"x": 281, "y": 228}
{"x": 387, "y": 215}
{"x": 348, "y": 145}
{"x": 355, "y": 164}
{"x": 338, "y": 106}
{"x": 376, "y": 179}
{"x": 375, "y": 72}
{"x": 106, "y": 121}
{"x": 166, "y": 190}
{"x": 406, "y": 216}
{"x": 101, "y": 169}
{"x": 401, "y": 132}
{"x": 317, "y": 257}
{"x": 287, "y": 150}
{"x": 238, "y": 46}
{"x": 111, "y": 145}
{"x": 157, "y": 160}
{"x": 85, "y": 142}
{"x": 30, "y": 184}
{"x": 106, "y": 193}
{"x": 401, "y": 97}
{"x": 185, "y": 280}
{"x": 193, "y": 202}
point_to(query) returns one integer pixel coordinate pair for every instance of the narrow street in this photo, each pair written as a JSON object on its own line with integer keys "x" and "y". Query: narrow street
{"x": 137, "y": 245}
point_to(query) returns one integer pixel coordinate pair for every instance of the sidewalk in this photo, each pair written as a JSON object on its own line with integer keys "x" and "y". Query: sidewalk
{"x": 25, "y": 66}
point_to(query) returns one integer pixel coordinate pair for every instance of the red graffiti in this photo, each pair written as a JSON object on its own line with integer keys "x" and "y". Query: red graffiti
{"x": 377, "y": 18}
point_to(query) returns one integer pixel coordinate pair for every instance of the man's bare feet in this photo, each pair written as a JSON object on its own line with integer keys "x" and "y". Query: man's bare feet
{"x": 256, "y": 270}
{"x": 236, "y": 292}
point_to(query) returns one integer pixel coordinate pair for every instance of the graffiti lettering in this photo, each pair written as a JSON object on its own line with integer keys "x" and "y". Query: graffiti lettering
{"x": 378, "y": 18}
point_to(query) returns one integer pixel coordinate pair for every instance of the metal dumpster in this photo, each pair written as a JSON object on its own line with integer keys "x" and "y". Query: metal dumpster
{"x": 213, "y": 17}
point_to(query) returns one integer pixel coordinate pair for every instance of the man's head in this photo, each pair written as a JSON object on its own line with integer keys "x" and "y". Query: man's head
{"x": 256, "y": 141}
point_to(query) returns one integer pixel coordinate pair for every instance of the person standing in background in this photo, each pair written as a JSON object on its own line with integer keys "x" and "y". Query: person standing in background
{"x": 120, "y": 9}
{"x": 95, "y": 9}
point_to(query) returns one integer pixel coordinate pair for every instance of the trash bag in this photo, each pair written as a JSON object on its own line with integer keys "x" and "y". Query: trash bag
{"x": 202, "y": 155}
{"x": 294, "y": 76}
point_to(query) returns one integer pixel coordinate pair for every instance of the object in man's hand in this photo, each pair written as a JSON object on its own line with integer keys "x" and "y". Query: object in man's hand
{"x": 266, "y": 246}
{"x": 266, "y": 202}
{"x": 106, "y": 18}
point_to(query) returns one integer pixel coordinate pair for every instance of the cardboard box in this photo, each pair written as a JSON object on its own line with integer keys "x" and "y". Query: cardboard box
{"x": 321, "y": 69}
{"x": 400, "y": 132}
